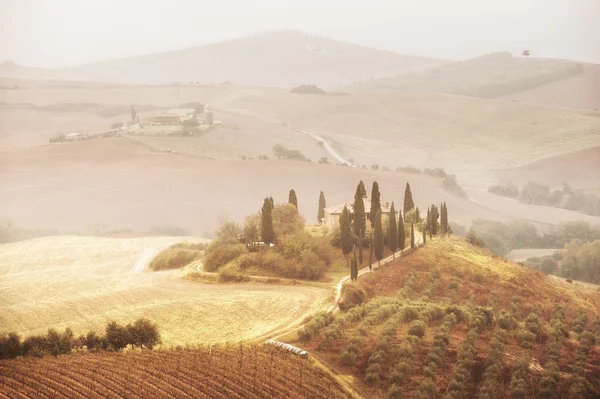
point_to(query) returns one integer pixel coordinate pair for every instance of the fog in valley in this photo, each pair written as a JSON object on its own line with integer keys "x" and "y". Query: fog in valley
{"x": 233, "y": 171}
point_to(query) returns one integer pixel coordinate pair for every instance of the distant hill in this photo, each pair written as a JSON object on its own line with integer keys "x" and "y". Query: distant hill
{"x": 268, "y": 59}
{"x": 14, "y": 71}
{"x": 488, "y": 76}
{"x": 579, "y": 91}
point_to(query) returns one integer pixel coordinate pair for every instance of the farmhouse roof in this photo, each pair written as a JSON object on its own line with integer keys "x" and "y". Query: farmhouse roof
{"x": 337, "y": 209}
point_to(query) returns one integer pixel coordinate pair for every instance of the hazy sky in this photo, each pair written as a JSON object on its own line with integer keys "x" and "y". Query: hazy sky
{"x": 55, "y": 33}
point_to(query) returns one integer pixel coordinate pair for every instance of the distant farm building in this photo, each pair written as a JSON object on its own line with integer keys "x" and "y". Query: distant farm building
{"x": 170, "y": 117}
{"x": 333, "y": 213}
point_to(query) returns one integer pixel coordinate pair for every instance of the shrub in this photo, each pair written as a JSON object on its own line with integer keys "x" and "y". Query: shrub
{"x": 143, "y": 333}
{"x": 307, "y": 89}
{"x": 189, "y": 123}
{"x": 509, "y": 190}
{"x": 230, "y": 273}
{"x": 394, "y": 392}
{"x": 351, "y": 296}
{"x": 220, "y": 256}
{"x": 116, "y": 125}
{"x": 117, "y": 337}
{"x": 348, "y": 358}
{"x": 282, "y": 152}
{"x": 174, "y": 257}
{"x": 417, "y": 328}
{"x": 473, "y": 239}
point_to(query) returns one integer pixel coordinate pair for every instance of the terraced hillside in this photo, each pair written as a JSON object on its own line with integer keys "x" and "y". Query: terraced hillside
{"x": 452, "y": 321}
{"x": 231, "y": 372}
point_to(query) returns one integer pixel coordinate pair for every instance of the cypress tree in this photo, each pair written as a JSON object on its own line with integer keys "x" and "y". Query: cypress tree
{"x": 378, "y": 241}
{"x": 346, "y": 233}
{"x": 401, "y": 232}
{"x": 375, "y": 203}
{"x": 354, "y": 267}
{"x": 425, "y": 236}
{"x": 370, "y": 251}
{"x": 266, "y": 226}
{"x": 361, "y": 188}
{"x": 409, "y": 205}
{"x": 412, "y": 235}
{"x": 428, "y": 222}
{"x": 292, "y": 199}
{"x": 360, "y": 221}
{"x": 322, "y": 206}
{"x": 417, "y": 215}
{"x": 393, "y": 233}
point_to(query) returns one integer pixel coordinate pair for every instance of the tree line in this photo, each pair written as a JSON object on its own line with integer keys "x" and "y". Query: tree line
{"x": 355, "y": 233}
{"x": 141, "y": 334}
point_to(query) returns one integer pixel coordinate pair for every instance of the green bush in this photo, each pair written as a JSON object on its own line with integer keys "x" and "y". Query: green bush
{"x": 351, "y": 296}
{"x": 220, "y": 256}
{"x": 417, "y": 328}
{"x": 174, "y": 257}
{"x": 230, "y": 273}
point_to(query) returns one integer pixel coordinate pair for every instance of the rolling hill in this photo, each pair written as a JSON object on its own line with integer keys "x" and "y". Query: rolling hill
{"x": 452, "y": 321}
{"x": 488, "y": 76}
{"x": 575, "y": 168}
{"x": 267, "y": 59}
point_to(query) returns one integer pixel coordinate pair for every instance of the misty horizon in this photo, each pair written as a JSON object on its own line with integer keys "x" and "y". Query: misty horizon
{"x": 60, "y": 34}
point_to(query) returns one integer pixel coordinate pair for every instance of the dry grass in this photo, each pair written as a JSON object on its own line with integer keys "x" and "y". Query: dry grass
{"x": 467, "y": 136}
{"x": 82, "y": 282}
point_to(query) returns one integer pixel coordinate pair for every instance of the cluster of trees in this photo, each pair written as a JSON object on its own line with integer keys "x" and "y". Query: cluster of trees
{"x": 540, "y": 194}
{"x": 177, "y": 256}
{"x": 353, "y": 226}
{"x": 581, "y": 261}
{"x": 282, "y": 152}
{"x": 271, "y": 242}
{"x": 141, "y": 334}
{"x": 500, "y": 238}
{"x": 307, "y": 89}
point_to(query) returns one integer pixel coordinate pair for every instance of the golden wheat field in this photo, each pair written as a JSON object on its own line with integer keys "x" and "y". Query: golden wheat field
{"x": 83, "y": 282}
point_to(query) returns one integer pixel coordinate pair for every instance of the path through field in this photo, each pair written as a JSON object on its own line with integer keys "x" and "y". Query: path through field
{"x": 84, "y": 282}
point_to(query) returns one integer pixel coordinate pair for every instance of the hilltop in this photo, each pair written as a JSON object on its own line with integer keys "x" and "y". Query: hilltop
{"x": 451, "y": 320}
{"x": 487, "y": 76}
{"x": 268, "y": 59}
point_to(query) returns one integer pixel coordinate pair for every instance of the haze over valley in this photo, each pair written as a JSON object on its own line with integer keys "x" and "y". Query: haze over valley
{"x": 268, "y": 194}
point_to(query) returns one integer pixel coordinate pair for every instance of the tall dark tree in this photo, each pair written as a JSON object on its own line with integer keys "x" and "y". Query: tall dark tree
{"x": 354, "y": 271}
{"x": 375, "y": 203}
{"x": 393, "y": 233}
{"x": 401, "y": 233}
{"x": 266, "y": 227}
{"x": 433, "y": 221}
{"x": 322, "y": 206}
{"x": 409, "y": 205}
{"x": 425, "y": 236}
{"x": 133, "y": 114}
{"x": 360, "y": 220}
{"x": 444, "y": 227}
{"x": 378, "y": 240}
{"x": 370, "y": 251}
{"x": 292, "y": 199}
{"x": 428, "y": 222}
{"x": 361, "y": 189}
{"x": 346, "y": 236}
{"x": 417, "y": 215}
{"x": 412, "y": 235}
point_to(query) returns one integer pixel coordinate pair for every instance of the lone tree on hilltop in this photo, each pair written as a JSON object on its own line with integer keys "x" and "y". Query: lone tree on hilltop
{"x": 526, "y": 53}
{"x": 322, "y": 205}
{"x": 378, "y": 243}
{"x": 266, "y": 226}
{"x": 292, "y": 199}
{"x": 360, "y": 221}
{"x": 409, "y": 205}
{"x": 412, "y": 235}
{"x": 401, "y": 233}
{"x": 346, "y": 237}
{"x": 393, "y": 232}
{"x": 375, "y": 203}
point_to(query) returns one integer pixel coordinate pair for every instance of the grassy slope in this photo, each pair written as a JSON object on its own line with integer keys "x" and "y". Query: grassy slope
{"x": 83, "y": 282}
{"x": 469, "y": 137}
{"x": 477, "y": 275}
{"x": 488, "y": 76}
